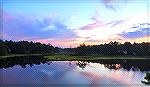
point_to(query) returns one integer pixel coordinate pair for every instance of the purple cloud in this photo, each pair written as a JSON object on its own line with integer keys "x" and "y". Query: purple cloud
{"x": 116, "y": 22}
{"x": 142, "y": 31}
{"x": 22, "y": 27}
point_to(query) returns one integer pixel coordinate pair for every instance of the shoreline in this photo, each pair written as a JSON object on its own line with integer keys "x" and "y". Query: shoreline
{"x": 20, "y": 55}
{"x": 93, "y": 58}
{"x": 63, "y": 57}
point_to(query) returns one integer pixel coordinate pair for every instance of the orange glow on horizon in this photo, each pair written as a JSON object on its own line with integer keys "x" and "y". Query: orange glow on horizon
{"x": 75, "y": 43}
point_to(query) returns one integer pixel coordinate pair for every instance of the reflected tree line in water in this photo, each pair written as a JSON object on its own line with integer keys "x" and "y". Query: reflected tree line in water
{"x": 138, "y": 65}
{"x": 142, "y": 65}
{"x": 127, "y": 64}
{"x": 81, "y": 64}
{"x": 22, "y": 61}
{"x": 147, "y": 77}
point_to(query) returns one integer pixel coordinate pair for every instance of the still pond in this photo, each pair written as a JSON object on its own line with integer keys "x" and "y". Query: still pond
{"x": 37, "y": 70}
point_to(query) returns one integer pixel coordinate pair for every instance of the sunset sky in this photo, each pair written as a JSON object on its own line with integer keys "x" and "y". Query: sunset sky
{"x": 65, "y": 23}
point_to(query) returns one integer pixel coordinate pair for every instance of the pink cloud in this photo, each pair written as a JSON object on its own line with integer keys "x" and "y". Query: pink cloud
{"x": 98, "y": 23}
{"x": 58, "y": 43}
{"x": 42, "y": 40}
{"x": 6, "y": 15}
{"x": 116, "y": 22}
{"x": 90, "y": 26}
{"x": 115, "y": 4}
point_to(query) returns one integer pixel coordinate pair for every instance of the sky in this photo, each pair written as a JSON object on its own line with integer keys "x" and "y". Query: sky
{"x": 65, "y": 23}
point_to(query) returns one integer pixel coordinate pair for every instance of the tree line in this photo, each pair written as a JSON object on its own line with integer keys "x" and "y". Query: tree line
{"x": 113, "y": 48}
{"x": 25, "y": 47}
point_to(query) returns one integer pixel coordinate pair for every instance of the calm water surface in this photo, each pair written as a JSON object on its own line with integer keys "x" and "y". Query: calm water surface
{"x": 34, "y": 70}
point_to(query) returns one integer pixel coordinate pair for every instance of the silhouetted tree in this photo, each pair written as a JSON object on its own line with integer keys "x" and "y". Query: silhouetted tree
{"x": 115, "y": 48}
{"x": 25, "y": 47}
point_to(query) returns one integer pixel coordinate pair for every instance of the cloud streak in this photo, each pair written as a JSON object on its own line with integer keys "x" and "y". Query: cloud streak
{"x": 141, "y": 30}
{"x": 17, "y": 27}
{"x": 63, "y": 23}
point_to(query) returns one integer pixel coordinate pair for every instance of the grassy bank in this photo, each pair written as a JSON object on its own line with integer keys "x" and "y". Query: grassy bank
{"x": 69, "y": 57}
{"x": 19, "y": 55}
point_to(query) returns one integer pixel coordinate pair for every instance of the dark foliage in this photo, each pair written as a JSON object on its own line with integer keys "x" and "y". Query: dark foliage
{"x": 147, "y": 77}
{"x": 114, "y": 48}
{"x": 126, "y": 64}
{"x": 22, "y": 61}
{"x": 25, "y": 47}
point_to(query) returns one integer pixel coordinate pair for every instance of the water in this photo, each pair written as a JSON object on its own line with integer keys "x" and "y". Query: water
{"x": 36, "y": 70}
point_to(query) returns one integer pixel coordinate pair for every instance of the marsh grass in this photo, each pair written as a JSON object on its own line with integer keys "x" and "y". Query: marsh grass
{"x": 71, "y": 57}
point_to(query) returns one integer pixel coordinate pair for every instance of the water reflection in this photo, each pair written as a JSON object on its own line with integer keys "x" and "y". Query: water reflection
{"x": 135, "y": 65}
{"x": 37, "y": 70}
{"x": 22, "y": 61}
{"x": 113, "y": 66}
{"x": 147, "y": 78}
{"x": 81, "y": 64}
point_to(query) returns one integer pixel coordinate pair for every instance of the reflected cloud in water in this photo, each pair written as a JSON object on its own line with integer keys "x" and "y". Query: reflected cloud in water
{"x": 37, "y": 70}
